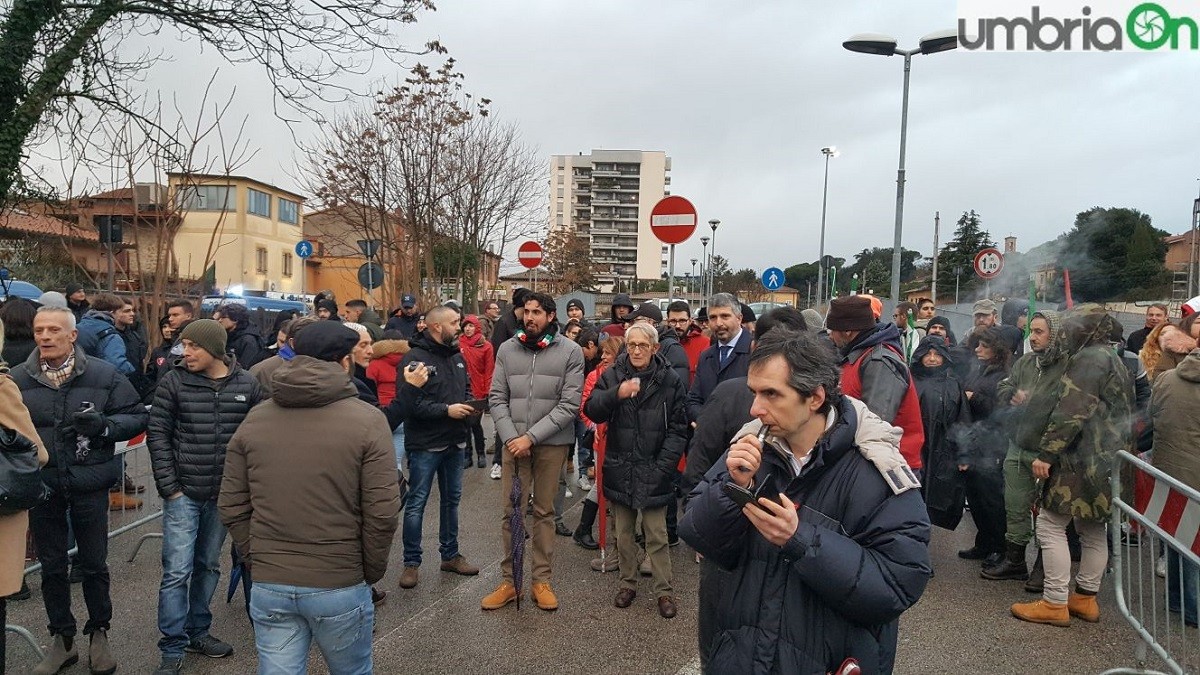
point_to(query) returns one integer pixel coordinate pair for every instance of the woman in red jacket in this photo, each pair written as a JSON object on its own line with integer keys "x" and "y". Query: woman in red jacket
{"x": 386, "y": 355}
{"x": 610, "y": 347}
{"x": 481, "y": 363}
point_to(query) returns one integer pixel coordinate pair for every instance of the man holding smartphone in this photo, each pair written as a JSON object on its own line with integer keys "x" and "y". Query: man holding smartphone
{"x": 435, "y": 438}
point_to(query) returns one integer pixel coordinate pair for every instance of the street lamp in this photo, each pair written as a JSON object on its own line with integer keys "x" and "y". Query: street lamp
{"x": 829, "y": 153}
{"x": 883, "y": 45}
{"x": 703, "y": 270}
{"x": 712, "y": 273}
{"x": 690, "y": 289}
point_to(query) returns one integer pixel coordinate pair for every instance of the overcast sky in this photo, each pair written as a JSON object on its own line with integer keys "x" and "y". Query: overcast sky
{"x": 744, "y": 95}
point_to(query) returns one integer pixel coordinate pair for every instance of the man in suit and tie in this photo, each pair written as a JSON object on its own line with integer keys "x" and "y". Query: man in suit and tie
{"x": 727, "y": 358}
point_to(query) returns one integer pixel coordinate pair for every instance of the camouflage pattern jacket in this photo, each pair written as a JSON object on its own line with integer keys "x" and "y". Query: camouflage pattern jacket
{"x": 1090, "y": 421}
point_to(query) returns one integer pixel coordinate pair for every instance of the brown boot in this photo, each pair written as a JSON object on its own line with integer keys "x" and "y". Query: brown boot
{"x": 408, "y": 578}
{"x": 100, "y": 658}
{"x": 459, "y": 565}
{"x": 1084, "y": 606}
{"x": 504, "y": 594}
{"x": 118, "y": 501}
{"x": 59, "y": 656}
{"x": 544, "y": 597}
{"x": 1040, "y": 611}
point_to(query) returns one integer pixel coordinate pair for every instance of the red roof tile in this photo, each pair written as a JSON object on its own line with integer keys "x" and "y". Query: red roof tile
{"x": 45, "y": 225}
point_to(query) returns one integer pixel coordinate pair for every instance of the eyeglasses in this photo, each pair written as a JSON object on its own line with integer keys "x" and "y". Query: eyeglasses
{"x": 678, "y": 322}
{"x": 636, "y": 346}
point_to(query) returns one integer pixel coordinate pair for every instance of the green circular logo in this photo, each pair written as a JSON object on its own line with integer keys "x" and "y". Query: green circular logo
{"x": 1147, "y": 25}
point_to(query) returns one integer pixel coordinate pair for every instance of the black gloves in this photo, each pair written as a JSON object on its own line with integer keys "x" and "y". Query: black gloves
{"x": 90, "y": 424}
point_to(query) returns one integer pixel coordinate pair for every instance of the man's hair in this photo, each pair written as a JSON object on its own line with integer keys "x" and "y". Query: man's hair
{"x": 298, "y": 324}
{"x": 520, "y": 295}
{"x": 356, "y": 304}
{"x": 780, "y": 317}
{"x": 810, "y": 364}
{"x": 679, "y": 306}
{"x": 1157, "y": 305}
{"x": 921, "y": 301}
{"x": 439, "y": 314}
{"x": 907, "y": 308}
{"x": 185, "y": 305}
{"x": 587, "y": 335}
{"x": 546, "y": 302}
{"x": 107, "y": 302}
{"x": 644, "y": 328}
{"x": 60, "y": 310}
{"x": 236, "y": 313}
{"x": 489, "y": 303}
{"x": 727, "y": 301}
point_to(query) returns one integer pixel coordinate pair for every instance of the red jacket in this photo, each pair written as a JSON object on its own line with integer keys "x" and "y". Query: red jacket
{"x": 382, "y": 369}
{"x": 908, "y": 417}
{"x": 480, "y": 360}
{"x": 694, "y": 343}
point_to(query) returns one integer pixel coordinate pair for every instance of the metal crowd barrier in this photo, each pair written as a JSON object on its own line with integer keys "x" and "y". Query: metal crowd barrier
{"x": 1164, "y": 520}
{"x": 123, "y": 517}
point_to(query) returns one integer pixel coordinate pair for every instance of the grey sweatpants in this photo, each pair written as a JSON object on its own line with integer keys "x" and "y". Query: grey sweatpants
{"x": 1056, "y": 555}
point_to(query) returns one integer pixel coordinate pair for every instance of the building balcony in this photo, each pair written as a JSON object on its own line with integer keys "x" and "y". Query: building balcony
{"x": 605, "y": 173}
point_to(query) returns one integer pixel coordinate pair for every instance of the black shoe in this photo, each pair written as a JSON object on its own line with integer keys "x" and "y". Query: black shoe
{"x": 209, "y": 646}
{"x": 1011, "y": 567}
{"x": 585, "y": 540}
{"x": 562, "y": 530}
{"x": 993, "y": 559}
{"x": 481, "y": 462}
{"x": 972, "y": 553}
{"x": 1037, "y": 576}
{"x": 23, "y": 594}
{"x": 672, "y": 540}
{"x": 170, "y": 665}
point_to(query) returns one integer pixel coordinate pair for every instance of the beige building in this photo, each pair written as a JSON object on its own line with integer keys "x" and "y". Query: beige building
{"x": 606, "y": 198}
{"x": 237, "y": 231}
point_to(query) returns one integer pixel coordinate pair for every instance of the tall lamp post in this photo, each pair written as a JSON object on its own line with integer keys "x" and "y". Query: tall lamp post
{"x": 829, "y": 153}
{"x": 712, "y": 272}
{"x": 705, "y": 262}
{"x": 883, "y": 45}
{"x": 692, "y": 288}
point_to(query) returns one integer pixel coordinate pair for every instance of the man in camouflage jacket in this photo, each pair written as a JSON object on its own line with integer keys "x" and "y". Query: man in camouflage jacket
{"x": 1089, "y": 423}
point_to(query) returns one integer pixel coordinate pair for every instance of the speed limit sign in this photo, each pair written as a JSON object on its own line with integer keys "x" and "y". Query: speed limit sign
{"x": 988, "y": 263}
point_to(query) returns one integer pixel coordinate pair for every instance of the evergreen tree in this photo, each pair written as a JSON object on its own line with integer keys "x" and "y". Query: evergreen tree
{"x": 969, "y": 239}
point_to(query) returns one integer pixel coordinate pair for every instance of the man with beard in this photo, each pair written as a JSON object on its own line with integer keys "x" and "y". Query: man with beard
{"x": 689, "y": 334}
{"x": 535, "y": 397}
{"x": 435, "y": 436}
{"x": 727, "y": 358}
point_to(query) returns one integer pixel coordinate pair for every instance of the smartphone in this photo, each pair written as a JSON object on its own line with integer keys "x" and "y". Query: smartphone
{"x": 479, "y": 404}
{"x": 740, "y": 495}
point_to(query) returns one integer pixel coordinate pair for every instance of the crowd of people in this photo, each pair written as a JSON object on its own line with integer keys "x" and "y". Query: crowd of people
{"x": 785, "y": 447}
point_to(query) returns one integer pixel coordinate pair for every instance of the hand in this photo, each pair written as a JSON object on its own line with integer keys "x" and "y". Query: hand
{"x": 1041, "y": 470}
{"x": 417, "y": 376}
{"x": 777, "y": 523}
{"x": 175, "y": 496}
{"x": 520, "y": 446}
{"x": 629, "y": 388}
{"x": 964, "y": 467}
{"x": 1020, "y": 397}
{"x": 90, "y": 424}
{"x": 743, "y": 460}
{"x": 459, "y": 411}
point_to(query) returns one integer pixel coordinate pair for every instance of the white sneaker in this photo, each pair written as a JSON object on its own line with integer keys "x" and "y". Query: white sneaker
{"x": 584, "y": 483}
{"x": 1160, "y": 568}
{"x": 568, "y": 494}
{"x": 495, "y": 472}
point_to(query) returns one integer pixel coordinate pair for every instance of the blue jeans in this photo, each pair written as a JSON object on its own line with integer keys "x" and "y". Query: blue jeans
{"x": 398, "y": 444}
{"x": 1190, "y": 582}
{"x": 288, "y": 618}
{"x": 423, "y": 465}
{"x": 191, "y": 560}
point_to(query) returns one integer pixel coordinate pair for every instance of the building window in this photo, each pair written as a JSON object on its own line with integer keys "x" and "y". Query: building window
{"x": 560, "y": 193}
{"x": 260, "y": 260}
{"x": 287, "y": 264}
{"x": 289, "y": 211}
{"x": 207, "y": 198}
{"x": 259, "y": 203}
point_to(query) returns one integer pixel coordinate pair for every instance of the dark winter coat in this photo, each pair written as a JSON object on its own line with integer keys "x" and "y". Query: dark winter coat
{"x": 857, "y": 561}
{"x": 710, "y": 372}
{"x": 727, "y": 410}
{"x": 246, "y": 345}
{"x": 17, "y": 351}
{"x": 407, "y": 325}
{"x": 671, "y": 350}
{"x": 946, "y": 415}
{"x": 429, "y": 426}
{"x": 94, "y": 381}
{"x": 160, "y": 362}
{"x": 99, "y": 338}
{"x": 505, "y": 327}
{"x": 987, "y": 443}
{"x": 647, "y": 433}
{"x": 191, "y": 422}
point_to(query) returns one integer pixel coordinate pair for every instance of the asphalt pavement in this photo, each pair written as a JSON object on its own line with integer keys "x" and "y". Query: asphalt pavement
{"x": 961, "y": 625}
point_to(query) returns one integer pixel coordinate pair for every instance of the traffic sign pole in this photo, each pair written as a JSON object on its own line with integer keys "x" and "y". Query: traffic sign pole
{"x": 672, "y": 220}
{"x": 671, "y": 275}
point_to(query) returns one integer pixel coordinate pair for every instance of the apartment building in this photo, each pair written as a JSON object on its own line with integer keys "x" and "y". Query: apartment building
{"x": 237, "y": 232}
{"x": 606, "y": 197}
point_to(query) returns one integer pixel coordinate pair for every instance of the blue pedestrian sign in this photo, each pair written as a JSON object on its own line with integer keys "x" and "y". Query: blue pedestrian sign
{"x": 772, "y": 278}
{"x": 304, "y": 249}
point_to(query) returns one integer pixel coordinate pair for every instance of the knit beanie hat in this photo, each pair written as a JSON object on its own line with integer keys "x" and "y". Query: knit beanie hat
{"x": 812, "y": 319}
{"x": 852, "y": 312}
{"x": 53, "y": 299}
{"x": 208, "y": 335}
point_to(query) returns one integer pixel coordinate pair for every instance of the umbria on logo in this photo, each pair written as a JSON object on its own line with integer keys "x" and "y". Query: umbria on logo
{"x": 1074, "y": 26}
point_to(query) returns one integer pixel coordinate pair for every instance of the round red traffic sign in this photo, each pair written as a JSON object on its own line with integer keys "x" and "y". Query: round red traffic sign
{"x": 988, "y": 263}
{"x": 673, "y": 219}
{"x": 530, "y": 254}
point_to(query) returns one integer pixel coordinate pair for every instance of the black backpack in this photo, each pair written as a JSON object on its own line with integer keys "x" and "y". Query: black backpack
{"x": 21, "y": 486}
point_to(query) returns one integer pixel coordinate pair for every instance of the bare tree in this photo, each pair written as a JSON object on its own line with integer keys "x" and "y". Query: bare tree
{"x": 568, "y": 261}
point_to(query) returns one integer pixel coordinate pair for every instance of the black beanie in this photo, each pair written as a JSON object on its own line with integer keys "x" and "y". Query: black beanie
{"x": 327, "y": 341}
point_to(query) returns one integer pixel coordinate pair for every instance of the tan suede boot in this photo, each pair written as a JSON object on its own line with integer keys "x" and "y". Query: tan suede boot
{"x": 59, "y": 656}
{"x": 504, "y": 594}
{"x": 1084, "y": 606}
{"x": 1040, "y": 611}
{"x": 100, "y": 658}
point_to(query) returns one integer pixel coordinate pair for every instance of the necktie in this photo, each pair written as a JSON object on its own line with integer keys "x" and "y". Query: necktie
{"x": 725, "y": 349}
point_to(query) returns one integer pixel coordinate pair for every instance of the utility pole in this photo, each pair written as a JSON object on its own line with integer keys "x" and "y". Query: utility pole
{"x": 937, "y": 223}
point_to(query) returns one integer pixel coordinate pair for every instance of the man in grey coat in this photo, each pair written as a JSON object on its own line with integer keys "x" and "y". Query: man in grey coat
{"x": 535, "y": 396}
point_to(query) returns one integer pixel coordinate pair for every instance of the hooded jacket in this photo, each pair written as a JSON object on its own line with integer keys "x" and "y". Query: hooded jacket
{"x": 480, "y": 358}
{"x": 92, "y": 381}
{"x": 1039, "y": 375}
{"x": 858, "y": 559}
{"x": 429, "y": 425}
{"x": 987, "y": 445}
{"x": 945, "y": 414}
{"x": 874, "y": 372}
{"x": 537, "y": 391}
{"x": 647, "y": 433}
{"x": 191, "y": 422}
{"x": 382, "y": 370}
{"x": 246, "y": 345}
{"x": 1090, "y": 421}
{"x": 671, "y": 350}
{"x": 310, "y": 494}
{"x": 616, "y": 327}
{"x": 1173, "y": 409}
{"x": 99, "y": 337}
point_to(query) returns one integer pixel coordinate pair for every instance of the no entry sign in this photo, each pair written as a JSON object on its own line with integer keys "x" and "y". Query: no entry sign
{"x": 673, "y": 219}
{"x": 988, "y": 263}
{"x": 530, "y": 254}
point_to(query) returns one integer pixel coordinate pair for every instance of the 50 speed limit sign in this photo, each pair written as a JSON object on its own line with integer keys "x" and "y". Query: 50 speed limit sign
{"x": 988, "y": 263}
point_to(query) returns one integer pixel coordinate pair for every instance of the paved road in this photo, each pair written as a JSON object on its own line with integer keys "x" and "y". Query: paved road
{"x": 962, "y": 624}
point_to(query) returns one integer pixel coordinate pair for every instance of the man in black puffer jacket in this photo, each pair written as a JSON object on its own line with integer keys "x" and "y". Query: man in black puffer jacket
{"x": 81, "y": 407}
{"x": 198, "y": 406}
{"x": 643, "y": 401}
{"x": 245, "y": 343}
{"x": 820, "y": 567}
